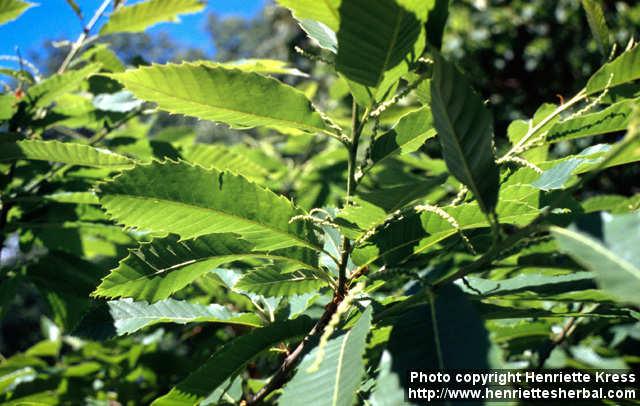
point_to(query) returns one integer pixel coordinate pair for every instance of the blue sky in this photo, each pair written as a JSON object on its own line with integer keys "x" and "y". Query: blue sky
{"x": 55, "y": 19}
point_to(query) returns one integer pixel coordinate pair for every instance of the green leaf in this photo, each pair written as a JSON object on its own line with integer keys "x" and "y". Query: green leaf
{"x": 191, "y": 201}
{"x": 375, "y": 37}
{"x": 338, "y": 378}
{"x": 597, "y": 24}
{"x": 415, "y": 233}
{"x": 222, "y": 158}
{"x": 11, "y": 9}
{"x": 324, "y": 36}
{"x": 270, "y": 282}
{"x": 518, "y": 129}
{"x": 324, "y": 11}
{"x": 608, "y": 246}
{"x": 625, "y": 68}
{"x": 76, "y": 9}
{"x": 19, "y": 74}
{"x": 12, "y": 377}
{"x": 182, "y": 136}
{"x": 543, "y": 307}
{"x": 446, "y": 333}
{"x": 265, "y": 66}
{"x": 612, "y": 203}
{"x": 65, "y": 282}
{"x": 45, "y": 348}
{"x": 120, "y": 102}
{"x": 64, "y": 152}
{"x": 230, "y": 360}
{"x": 465, "y": 131}
{"x": 437, "y": 22}
{"x": 388, "y": 390}
{"x": 395, "y": 197}
{"x": 165, "y": 265}
{"x": 130, "y": 316}
{"x": 406, "y": 136}
{"x": 138, "y": 17}
{"x": 240, "y": 99}
{"x": 76, "y": 111}
{"x": 562, "y": 173}
{"x": 559, "y": 175}
{"x": 44, "y": 93}
{"x": 101, "y": 53}
{"x": 623, "y": 152}
{"x": 614, "y": 118}
{"x": 536, "y": 282}
{"x": 362, "y": 216}
{"x": 72, "y": 197}
{"x": 7, "y": 106}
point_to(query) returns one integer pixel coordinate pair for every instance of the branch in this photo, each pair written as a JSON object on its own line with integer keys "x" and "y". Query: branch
{"x": 76, "y": 46}
{"x": 291, "y": 360}
{"x": 356, "y": 129}
{"x": 521, "y": 145}
{"x": 567, "y": 330}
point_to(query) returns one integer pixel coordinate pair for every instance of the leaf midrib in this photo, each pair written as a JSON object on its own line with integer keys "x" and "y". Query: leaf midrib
{"x": 230, "y": 110}
{"x": 224, "y": 258}
{"x": 392, "y": 43}
{"x": 458, "y": 147}
{"x": 177, "y": 318}
{"x": 395, "y": 151}
{"x": 304, "y": 243}
{"x": 440, "y": 235}
{"x": 336, "y": 388}
{"x": 601, "y": 249}
{"x": 250, "y": 255}
{"x": 186, "y": 318}
{"x": 282, "y": 281}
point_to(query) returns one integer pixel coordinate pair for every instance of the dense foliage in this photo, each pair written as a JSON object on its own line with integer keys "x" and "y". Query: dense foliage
{"x": 348, "y": 224}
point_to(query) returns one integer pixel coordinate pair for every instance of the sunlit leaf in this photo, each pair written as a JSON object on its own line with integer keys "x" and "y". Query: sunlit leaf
{"x": 140, "y": 16}
{"x": 165, "y": 265}
{"x": 11, "y": 9}
{"x": 64, "y": 152}
{"x": 191, "y": 201}
{"x": 231, "y": 96}
{"x": 130, "y": 316}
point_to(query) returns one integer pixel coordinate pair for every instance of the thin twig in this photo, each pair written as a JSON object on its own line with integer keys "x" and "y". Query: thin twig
{"x": 76, "y": 46}
{"x": 279, "y": 378}
{"x": 291, "y": 360}
{"x": 520, "y": 145}
{"x": 356, "y": 129}
{"x": 568, "y": 329}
